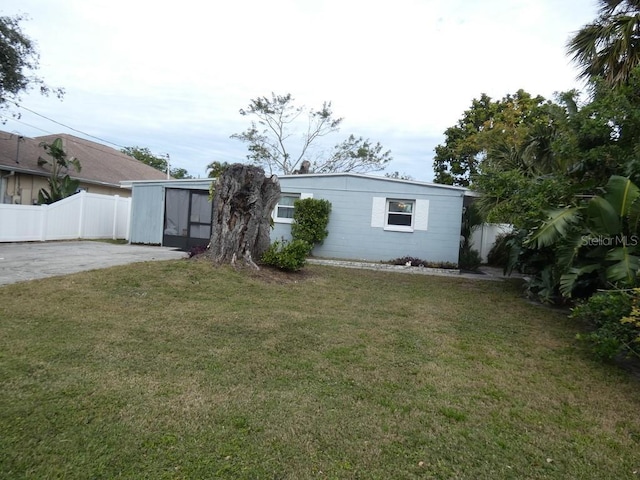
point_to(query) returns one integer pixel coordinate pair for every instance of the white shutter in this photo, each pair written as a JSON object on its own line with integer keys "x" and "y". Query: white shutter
{"x": 421, "y": 220}
{"x": 378, "y": 211}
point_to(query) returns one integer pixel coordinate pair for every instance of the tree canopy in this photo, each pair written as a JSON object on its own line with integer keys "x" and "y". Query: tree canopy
{"x": 283, "y": 136}
{"x": 20, "y": 61}
{"x": 159, "y": 162}
{"x": 609, "y": 47}
{"x": 564, "y": 172}
{"x": 215, "y": 169}
{"x": 495, "y": 132}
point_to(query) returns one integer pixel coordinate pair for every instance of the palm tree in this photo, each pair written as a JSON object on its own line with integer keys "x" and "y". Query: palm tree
{"x": 597, "y": 238}
{"x": 610, "y": 46}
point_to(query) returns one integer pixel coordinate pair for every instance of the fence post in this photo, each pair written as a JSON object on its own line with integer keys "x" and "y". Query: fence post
{"x": 114, "y": 230}
{"x": 44, "y": 213}
{"x": 128, "y": 213}
{"x": 81, "y": 215}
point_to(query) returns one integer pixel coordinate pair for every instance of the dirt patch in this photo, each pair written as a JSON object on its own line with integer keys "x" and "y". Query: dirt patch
{"x": 266, "y": 273}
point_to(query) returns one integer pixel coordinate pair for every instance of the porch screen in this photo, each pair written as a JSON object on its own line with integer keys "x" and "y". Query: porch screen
{"x": 176, "y": 219}
{"x": 200, "y": 215}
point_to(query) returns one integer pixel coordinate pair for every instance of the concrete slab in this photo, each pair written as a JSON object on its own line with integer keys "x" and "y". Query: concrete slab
{"x": 21, "y": 262}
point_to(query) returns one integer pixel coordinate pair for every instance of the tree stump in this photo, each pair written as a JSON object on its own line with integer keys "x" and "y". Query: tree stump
{"x": 243, "y": 201}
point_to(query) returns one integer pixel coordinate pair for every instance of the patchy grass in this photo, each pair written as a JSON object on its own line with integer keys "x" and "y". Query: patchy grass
{"x": 177, "y": 370}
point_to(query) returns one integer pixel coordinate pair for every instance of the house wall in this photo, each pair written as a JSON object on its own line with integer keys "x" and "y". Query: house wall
{"x": 147, "y": 214}
{"x": 351, "y": 234}
{"x": 22, "y": 189}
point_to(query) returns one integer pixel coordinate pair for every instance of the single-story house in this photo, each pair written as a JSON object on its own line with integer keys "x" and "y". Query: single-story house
{"x": 24, "y": 169}
{"x": 373, "y": 218}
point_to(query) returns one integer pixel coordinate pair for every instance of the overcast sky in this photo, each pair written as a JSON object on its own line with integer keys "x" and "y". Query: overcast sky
{"x": 172, "y": 76}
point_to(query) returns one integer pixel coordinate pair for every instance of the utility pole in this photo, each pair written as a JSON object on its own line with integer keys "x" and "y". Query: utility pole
{"x": 20, "y": 138}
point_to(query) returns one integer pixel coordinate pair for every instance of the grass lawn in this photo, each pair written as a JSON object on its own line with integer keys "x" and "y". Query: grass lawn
{"x": 178, "y": 370}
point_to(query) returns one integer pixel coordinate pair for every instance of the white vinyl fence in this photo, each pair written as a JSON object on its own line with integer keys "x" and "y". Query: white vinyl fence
{"x": 484, "y": 237}
{"x": 83, "y": 215}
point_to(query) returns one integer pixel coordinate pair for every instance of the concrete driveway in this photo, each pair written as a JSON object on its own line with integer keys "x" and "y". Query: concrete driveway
{"x": 20, "y": 262}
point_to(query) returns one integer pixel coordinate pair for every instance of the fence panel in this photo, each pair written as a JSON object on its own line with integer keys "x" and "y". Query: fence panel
{"x": 84, "y": 215}
{"x": 61, "y": 219}
{"x": 484, "y": 237}
{"x": 122, "y": 218}
{"x": 20, "y": 223}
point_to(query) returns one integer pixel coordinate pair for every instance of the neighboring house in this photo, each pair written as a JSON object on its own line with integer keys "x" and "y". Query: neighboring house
{"x": 372, "y": 218}
{"x": 23, "y": 172}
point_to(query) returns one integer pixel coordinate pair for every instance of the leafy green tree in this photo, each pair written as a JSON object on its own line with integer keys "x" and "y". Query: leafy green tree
{"x": 19, "y": 60}
{"x": 179, "y": 173}
{"x": 216, "y": 168}
{"x": 144, "y": 155}
{"x": 283, "y": 136}
{"x": 606, "y": 132}
{"x": 512, "y": 196}
{"x": 494, "y": 132}
{"x": 61, "y": 185}
{"x": 355, "y": 155}
{"x": 609, "y": 47}
{"x": 158, "y": 162}
{"x": 596, "y": 240}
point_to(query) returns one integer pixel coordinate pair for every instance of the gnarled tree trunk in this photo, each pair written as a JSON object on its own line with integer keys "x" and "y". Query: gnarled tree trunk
{"x": 242, "y": 205}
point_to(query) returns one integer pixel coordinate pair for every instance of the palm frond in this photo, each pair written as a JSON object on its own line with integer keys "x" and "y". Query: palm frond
{"x": 556, "y": 226}
{"x": 625, "y": 269}
{"x": 602, "y": 217}
{"x": 569, "y": 279}
{"x": 633, "y": 217}
{"x": 621, "y": 193}
{"x": 608, "y": 47}
{"x": 567, "y": 251}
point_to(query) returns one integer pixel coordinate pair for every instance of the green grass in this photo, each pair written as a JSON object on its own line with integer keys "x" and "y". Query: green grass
{"x": 178, "y": 370}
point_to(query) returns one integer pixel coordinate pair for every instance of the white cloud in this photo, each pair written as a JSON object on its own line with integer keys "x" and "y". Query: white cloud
{"x": 172, "y": 76}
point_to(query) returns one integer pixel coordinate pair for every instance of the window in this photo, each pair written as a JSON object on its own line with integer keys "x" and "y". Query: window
{"x": 400, "y": 213}
{"x": 283, "y": 213}
{"x": 284, "y": 209}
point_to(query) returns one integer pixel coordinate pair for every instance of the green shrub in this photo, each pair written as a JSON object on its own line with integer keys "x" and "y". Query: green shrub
{"x": 605, "y": 314}
{"x": 499, "y": 254}
{"x": 290, "y": 256}
{"x": 310, "y": 220}
{"x": 469, "y": 260}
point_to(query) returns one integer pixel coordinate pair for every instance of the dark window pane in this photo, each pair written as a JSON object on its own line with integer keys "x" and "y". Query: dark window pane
{"x": 399, "y": 219}
{"x": 285, "y": 212}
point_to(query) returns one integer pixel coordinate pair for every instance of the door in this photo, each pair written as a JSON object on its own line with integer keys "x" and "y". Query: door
{"x": 187, "y": 218}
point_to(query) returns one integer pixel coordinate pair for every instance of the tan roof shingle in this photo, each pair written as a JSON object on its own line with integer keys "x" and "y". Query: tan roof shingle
{"x": 99, "y": 164}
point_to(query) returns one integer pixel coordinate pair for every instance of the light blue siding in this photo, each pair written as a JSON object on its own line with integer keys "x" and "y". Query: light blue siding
{"x": 147, "y": 214}
{"x": 351, "y": 235}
